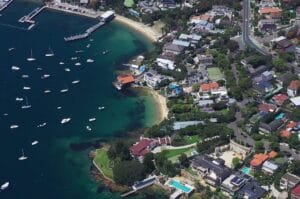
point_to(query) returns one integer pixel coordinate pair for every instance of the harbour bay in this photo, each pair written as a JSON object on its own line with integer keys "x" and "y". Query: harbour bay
{"x": 53, "y": 169}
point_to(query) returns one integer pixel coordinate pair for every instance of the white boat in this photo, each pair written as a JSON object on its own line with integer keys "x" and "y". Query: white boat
{"x": 79, "y": 51}
{"x": 31, "y": 58}
{"x": 61, "y": 63}
{"x": 74, "y": 58}
{"x": 65, "y": 120}
{"x": 23, "y": 157}
{"x": 34, "y": 143}
{"x": 25, "y": 76}
{"x": 41, "y": 125}
{"x": 15, "y": 68}
{"x": 26, "y": 88}
{"x": 88, "y": 128}
{"x": 19, "y": 99}
{"x": 89, "y": 60}
{"x": 91, "y": 39}
{"x": 45, "y": 76}
{"x": 39, "y": 68}
{"x": 47, "y": 91}
{"x": 89, "y": 45}
{"x": 50, "y": 53}
{"x": 59, "y": 107}
{"x": 67, "y": 69}
{"x": 75, "y": 81}
{"x": 27, "y": 105}
{"x": 14, "y": 126}
{"x": 11, "y": 49}
{"x": 77, "y": 64}
{"x": 5, "y": 114}
{"x": 101, "y": 107}
{"x": 92, "y": 119}
{"x": 4, "y": 186}
{"x": 64, "y": 90}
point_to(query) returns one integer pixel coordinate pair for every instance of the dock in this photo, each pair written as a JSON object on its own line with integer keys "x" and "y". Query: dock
{"x": 86, "y": 34}
{"x": 29, "y": 17}
{"x": 4, "y": 4}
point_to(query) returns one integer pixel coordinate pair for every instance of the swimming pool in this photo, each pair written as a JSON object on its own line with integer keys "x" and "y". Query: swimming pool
{"x": 246, "y": 170}
{"x": 280, "y": 116}
{"x": 182, "y": 187}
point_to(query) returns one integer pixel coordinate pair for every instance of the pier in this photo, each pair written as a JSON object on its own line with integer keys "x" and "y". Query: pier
{"x": 86, "y": 34}
{"x": 4, "y": 4}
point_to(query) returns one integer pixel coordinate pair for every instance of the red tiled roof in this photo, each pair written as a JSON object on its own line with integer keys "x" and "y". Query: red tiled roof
{"x": 258, "y": 159}
{"x": 269, "y": 10}
{"x": 280, "y": 99}
{"x": 272, "y": 154}
{"x": 264, "y": 107}
{"x": 209, "y": 86}
{"x": 125, "y": 79}
{"x": 285, "y": 134}
{"x": 141, "y": 148}
{"x": 291, "y": 124}
{"x": 294, "y": 85}
{"x": 296, "y": 190}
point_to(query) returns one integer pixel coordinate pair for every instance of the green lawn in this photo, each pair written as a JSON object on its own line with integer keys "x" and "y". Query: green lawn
{"x": 173, "y": 154}
{"x": 191, "y": 139}
{"x": 102, "y": 161}
{"x": 214, "y": 73}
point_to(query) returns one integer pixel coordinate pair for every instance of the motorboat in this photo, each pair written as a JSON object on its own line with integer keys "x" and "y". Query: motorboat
{"x": 65, "y": 120}
{"x": 41, "y": 125}
{"x": 45, "y": 76}
{"x": 61, "y": 63}
{"x": 47, "y": 91}
{"x": 89, "y": 60}
{"x": 75, "y": 81}
{"x": 101, "y": 107}
{"x": 67, "y": 69}
{"x": 19, "y": 99}
{"x": 15, "y": 68}
{"x": 25, "y": 76}
{"x": 88, "y": 128}
{"x": 77, "y": 64}
{"x": 89, "y": 45}
{"x": 74, "y": 58}
{"x": 26, "y": 88}
{"x": 14, "y": 126}
{"x": 4, "y": 186}
{"x": 34, "y": 143}
{"x": 92, "y": 119}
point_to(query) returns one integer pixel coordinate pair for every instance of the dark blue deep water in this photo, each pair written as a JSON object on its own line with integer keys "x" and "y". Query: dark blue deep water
{"x": 53, "y": 170}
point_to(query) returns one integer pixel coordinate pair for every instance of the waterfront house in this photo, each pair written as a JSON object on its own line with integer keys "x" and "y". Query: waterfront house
{"x": 146, "y": 145}
{"x": 192, "y": 38}
{"x": 293, "y": 88}
{"x": 166, "y": 61}
{"x": 288, "y": 181}
{"x": 252, "y": 190}
{"x": 213, "y": 171}
{"x": 153, "y": 80}
{"x": 295, "y": 193}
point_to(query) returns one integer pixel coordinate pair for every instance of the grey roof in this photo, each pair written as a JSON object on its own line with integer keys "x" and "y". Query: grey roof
{"x": 181, "y": 43}
{"x": 291, "y": 178}
{"x": 273, "y": 126}
{"x": 173, "y": 47}
{"x": 216, "y": 166}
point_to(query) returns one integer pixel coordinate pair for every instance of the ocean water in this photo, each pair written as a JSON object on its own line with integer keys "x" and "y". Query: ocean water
{"x": 53, "y": 170}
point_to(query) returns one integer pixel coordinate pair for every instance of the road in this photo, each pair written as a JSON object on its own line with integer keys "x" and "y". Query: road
{"x": 246, "y": 29}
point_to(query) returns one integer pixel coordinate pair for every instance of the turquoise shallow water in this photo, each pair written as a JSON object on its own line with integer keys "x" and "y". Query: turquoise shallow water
{"x": 53, "y": 170}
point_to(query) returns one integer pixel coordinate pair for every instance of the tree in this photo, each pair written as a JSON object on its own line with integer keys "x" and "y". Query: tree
{"x": 232, "y": 45}
{"x": 295, "y": 167}
{"x": 119, "y": 149}
{"x": 236, "y": 162}
{"x": 128, "y": 172}
{"x": 259, "y": 146}
{"x": 148, "y": 163}
{"x": 183, "y": 160}
{"x": 274, "y": 146}
{"x": 279, "y": 64}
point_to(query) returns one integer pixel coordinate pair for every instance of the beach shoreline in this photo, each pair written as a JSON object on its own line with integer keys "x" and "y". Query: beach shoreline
{"x": 149, "y": 32}
{"x": 159, "y": 100}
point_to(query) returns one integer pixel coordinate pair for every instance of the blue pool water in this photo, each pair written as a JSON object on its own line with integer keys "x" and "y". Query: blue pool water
{"x": 280, "y": 116}
{"x": 180, "y": 186}
{"x": 246, "y": 170}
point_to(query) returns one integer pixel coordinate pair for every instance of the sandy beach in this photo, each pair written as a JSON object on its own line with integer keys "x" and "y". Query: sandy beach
{"x": 149, "y": 32}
